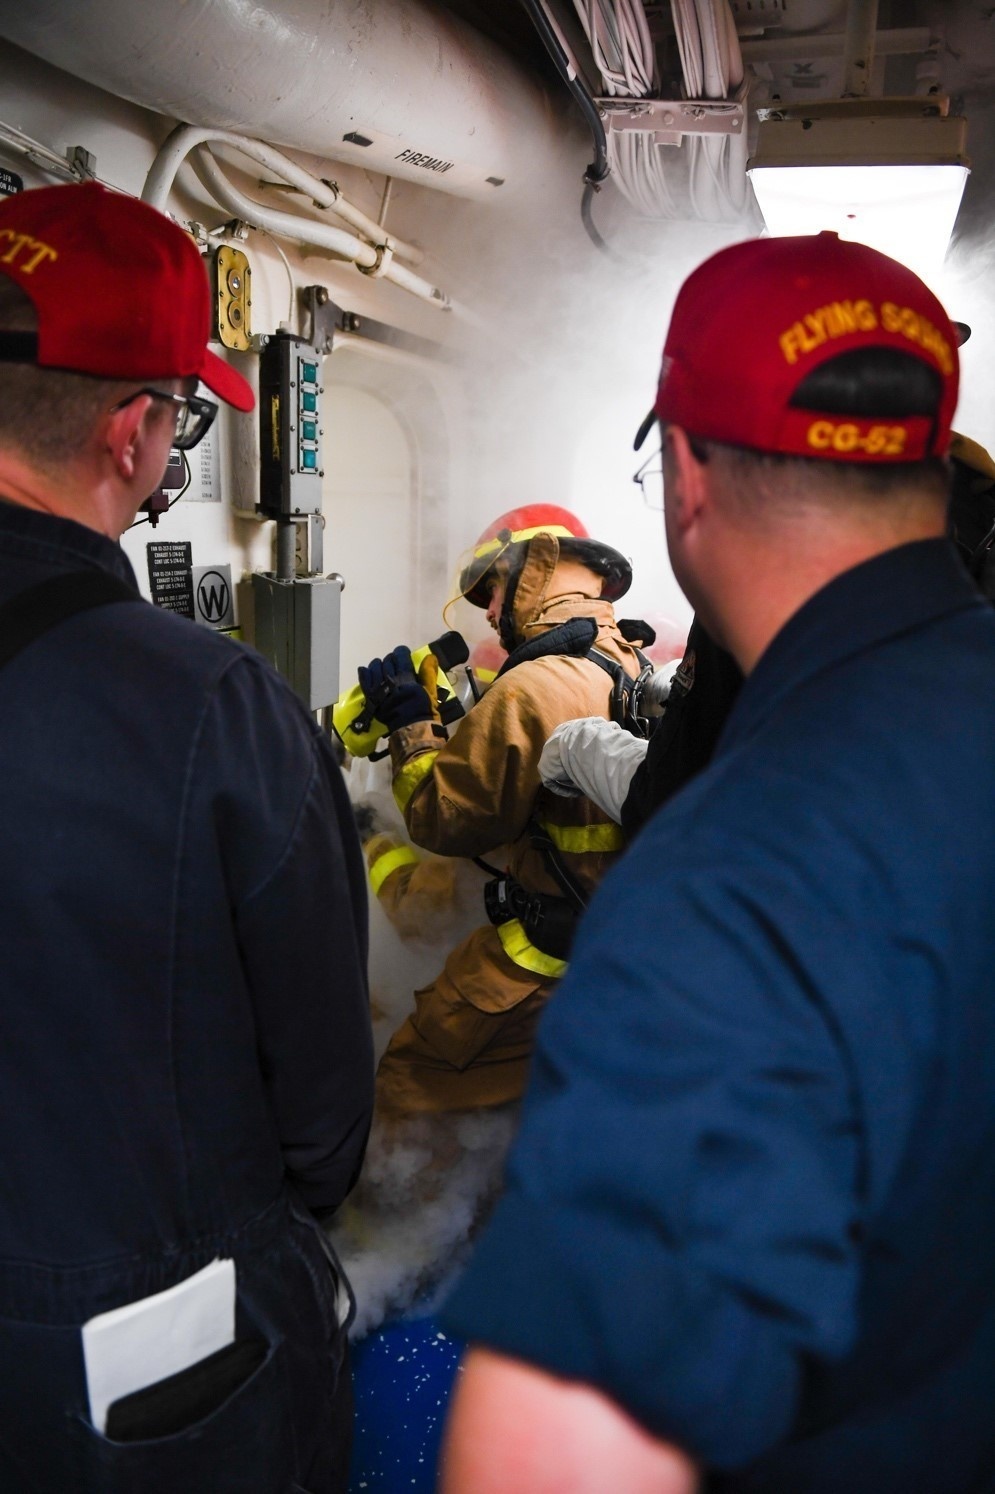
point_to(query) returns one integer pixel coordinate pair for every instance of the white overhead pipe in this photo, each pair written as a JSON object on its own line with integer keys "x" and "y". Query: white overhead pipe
{"x": 372, "y": 261}
{"x": 401, "y": 87}
{"x": 178, "y": 145}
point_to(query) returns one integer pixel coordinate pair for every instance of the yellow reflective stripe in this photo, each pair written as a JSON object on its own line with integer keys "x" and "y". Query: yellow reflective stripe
{"x": 389, "y": 862}
{"x": 518, "y": 535}
{"x": 519, "y": 949}
{"x": 577, "y": 839}
{"x": 410, "y": 776}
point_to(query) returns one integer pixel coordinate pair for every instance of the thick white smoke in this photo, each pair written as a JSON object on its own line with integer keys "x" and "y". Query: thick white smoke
{"x": 427, "y": 1183}
{"x": 427, "y": 1180}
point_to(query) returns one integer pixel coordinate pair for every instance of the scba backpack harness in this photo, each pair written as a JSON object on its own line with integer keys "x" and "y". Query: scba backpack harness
{"x": 550, "y": 922}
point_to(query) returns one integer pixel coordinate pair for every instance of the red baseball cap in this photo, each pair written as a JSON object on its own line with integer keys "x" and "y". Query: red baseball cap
{"x": 119, "y": 288}
{"x": 756, "y": 318}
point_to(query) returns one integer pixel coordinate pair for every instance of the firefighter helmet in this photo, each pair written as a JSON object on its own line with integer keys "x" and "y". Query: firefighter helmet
{"x": 518, "y": 526}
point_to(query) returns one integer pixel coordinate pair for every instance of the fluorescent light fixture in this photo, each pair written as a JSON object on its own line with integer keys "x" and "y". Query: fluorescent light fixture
{"x": 866, "y": 170}
{"x": 905, "y": 211}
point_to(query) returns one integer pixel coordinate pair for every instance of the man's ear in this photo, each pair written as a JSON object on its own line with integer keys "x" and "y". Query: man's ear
{"x": 685, "y": 480}
{"x": 124, "y": 433}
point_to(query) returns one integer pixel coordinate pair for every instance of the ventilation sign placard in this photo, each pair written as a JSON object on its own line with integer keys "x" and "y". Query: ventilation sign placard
{"x": 213, "y": 600}
{"x": 205, "y": 468}
{"x": 170, "y": 576}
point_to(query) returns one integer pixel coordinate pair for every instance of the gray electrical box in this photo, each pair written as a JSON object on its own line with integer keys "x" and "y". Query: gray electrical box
{"x": 297, "y": 630}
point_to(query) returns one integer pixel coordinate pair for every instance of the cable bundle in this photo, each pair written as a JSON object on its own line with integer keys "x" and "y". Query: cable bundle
{"x": 714, "y": 166}
{"x": 620, "y": 42}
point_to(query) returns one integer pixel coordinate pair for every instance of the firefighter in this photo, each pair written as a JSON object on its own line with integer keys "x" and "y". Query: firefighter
{"x": 548, "y": 589}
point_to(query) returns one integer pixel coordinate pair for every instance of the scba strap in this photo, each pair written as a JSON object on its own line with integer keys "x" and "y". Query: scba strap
{"x": 31, "y": 613}
{"x": 575, "y": 639}
{"x": 547, "y": 923}
{"x": 627, "y": 694}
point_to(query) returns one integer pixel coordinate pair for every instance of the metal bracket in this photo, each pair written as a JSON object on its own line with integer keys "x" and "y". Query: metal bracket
{"x": 384, "y": 255}
{"x": 327, "y": 319}
{"x": 668, "y": 120}
{"x": 911, "y": 106}
{"x": 82, "y": 162}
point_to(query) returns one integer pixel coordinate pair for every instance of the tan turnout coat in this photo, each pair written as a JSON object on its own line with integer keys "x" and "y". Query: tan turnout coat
{"x": 470, "y": 1037}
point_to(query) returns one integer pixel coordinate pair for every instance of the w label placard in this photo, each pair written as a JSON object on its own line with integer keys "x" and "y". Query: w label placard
{"x": 213, "y": 600}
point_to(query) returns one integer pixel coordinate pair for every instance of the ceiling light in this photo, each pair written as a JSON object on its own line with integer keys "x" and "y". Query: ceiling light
{"x": 887, "y": 172}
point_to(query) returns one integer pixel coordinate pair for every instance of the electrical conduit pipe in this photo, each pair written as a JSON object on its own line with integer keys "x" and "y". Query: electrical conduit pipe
{"x": 178, "y": 145}
{"x": 307, "y": 231}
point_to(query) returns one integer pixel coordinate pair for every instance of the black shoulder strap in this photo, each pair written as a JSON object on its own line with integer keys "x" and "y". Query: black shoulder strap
{"x": 627, "y": 693}
{"x": 610, "y": 666}
{"x": 572, "y": 637}
{"x": 543, "y": 842}
{"x": 25, "y": 617}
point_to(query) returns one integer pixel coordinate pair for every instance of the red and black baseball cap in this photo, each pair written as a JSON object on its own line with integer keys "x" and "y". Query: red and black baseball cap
{"x": 755, "y": 319}
{"x": 119, "y": 288}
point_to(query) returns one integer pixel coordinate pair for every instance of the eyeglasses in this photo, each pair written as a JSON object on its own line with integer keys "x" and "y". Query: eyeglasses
{"x": 650, "y": 479}
{"x": 194, "y": 417}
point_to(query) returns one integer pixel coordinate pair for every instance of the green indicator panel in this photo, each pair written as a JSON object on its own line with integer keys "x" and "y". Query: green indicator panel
{"x": 308, "y": 430}
{"x": 291, "y": 460}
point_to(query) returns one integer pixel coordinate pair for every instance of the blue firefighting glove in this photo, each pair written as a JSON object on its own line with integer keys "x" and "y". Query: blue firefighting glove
{"x": 394, "y": 691}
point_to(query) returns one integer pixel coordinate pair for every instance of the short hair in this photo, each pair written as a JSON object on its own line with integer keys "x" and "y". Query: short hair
{"x": 872, "y": 383}
{"x": 46, "y": 414}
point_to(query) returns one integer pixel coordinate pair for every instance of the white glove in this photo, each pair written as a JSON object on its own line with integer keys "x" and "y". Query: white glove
{"x": 657, "y": 690}
{"x": 594, "y": 757}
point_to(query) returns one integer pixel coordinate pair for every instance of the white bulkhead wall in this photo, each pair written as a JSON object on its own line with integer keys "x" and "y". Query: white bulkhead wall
{"x": 549, "y": 357}
{"x": 379, "y": 435}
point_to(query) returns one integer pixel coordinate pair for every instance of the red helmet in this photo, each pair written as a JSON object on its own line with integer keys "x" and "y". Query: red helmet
{"x": 519, "y": 525}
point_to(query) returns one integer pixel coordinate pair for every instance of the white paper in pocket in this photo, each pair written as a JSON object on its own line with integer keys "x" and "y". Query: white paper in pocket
{"x": 146, "y": 1341}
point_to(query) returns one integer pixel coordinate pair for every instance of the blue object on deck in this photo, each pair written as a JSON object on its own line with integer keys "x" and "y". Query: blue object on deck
{"x": 403, "y": 1376}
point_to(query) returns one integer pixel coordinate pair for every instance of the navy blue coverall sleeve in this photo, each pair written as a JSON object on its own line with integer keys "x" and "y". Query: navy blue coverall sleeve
{"x": 295, "y": 874}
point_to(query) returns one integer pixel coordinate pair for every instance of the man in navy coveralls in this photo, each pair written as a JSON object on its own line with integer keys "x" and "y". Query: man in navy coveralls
{"x": 748, "y": 1236}
{"x": 185, "y": 1056}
